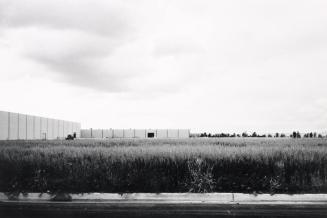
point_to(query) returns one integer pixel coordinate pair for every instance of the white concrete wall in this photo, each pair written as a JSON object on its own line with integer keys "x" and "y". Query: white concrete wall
{"x": 37, "y": 127}
{"x": 61, "y": 129}
{"x": 22, "y": 126}
{"x": 128, "y": 133}
{"x": 78, "y": 130}
{"x": 118, "y": 133}
{"x": 140, "y": 133}
{"x": 97, "y": 133}
{"x": 162, "y": 133}
{"x": 172, "y": 133}
{"x": 56, "y": 129}
{"x": 30, "y": 127}
{"x": 44, "y": 128}
{"x": 70, "y": 128}
{"x": 85, "y": 133}
{"x": 4, "y": 125}
{"x": 184, "y": 133}
{"x": 107, "y": 133}
{"x": 66, "y": 129}
{"x": 49, "y": 129}
{"x": 135, "y": 133}
{"x": 13, "y": 126}
{"x": 74, "y": 128}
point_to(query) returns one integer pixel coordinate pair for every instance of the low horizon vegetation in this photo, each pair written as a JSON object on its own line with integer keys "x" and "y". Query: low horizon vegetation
{"x": 198, "y": 165}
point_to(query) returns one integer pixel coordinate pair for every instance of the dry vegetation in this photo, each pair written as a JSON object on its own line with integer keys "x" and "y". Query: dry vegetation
{"x": 181, "y": 165}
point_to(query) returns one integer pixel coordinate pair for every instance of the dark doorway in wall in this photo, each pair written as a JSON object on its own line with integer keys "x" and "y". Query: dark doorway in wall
{"x": 150, "y": 134}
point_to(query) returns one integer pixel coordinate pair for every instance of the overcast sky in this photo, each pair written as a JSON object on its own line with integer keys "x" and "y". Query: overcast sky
{"x": 219, "y": 66}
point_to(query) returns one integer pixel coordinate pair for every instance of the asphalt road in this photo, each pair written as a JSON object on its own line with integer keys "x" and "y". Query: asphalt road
{"x": 103, "y": 210}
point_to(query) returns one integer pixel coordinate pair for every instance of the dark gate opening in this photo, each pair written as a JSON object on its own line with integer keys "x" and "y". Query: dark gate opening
{"x": 150, "y": 134}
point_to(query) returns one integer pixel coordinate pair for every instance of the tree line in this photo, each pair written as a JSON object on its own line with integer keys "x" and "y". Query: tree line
{"x": 294, "y": 134}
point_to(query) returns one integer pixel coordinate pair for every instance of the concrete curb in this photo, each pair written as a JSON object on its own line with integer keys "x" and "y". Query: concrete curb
{"x": 178, "y": 198}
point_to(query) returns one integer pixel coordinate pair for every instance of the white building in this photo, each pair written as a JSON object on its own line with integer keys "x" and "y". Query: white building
{"x": 15, "y": 126}
{"x": 135, "y": 133}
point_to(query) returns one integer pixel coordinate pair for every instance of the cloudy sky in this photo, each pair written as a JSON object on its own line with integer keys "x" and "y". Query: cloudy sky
{"x": 205, "y": 65}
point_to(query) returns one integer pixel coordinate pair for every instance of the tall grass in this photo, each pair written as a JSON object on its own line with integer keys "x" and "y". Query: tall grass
{"x": 180, "y": 165}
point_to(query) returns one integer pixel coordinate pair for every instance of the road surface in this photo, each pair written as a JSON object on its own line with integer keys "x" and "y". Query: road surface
{"x": 128, "y": 210}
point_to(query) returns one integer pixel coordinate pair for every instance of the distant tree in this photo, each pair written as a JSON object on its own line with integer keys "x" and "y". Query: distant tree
{"x": 282, "y": 135}
{"x": 319, "y": 136}
{"x": 294, "y": 135}
{"x": 203, "y": 134}
{"x": 276, "y": 135}
{"x": 310, "y": 134}
{"x": 254, "y": 134}
{"x": 298, "y": 134}
{"x": 238, "y": 135}
{"x": 244, "y": 134}
{"x": 269, "y": 135}
{"x": 314, "y": 135}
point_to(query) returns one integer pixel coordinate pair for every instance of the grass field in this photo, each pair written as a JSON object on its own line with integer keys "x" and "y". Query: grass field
{"x": 181, "y": 165}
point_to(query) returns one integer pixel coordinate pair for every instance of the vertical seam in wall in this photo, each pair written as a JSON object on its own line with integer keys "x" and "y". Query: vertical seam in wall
{"x": 33, "y": 127}
{"x": 46, "y": 135}
{"x": 26, "y": 126}
{"x": 18, "y": 127}
{"x": 40, "y": 128}
{"x": 8, "y": 125}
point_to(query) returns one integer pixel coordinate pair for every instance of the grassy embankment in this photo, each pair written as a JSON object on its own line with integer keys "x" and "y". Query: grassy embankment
{"x": 188, "y": 165}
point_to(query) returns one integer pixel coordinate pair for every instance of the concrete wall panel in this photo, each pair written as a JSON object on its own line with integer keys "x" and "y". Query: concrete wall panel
{"x": 172, "y": 133}
{"x": 162, "y": 133}
{"x": 4, "y": 119}
{"x": 78, "y": 130}
{"x": 70, "y": 128}
{"x": 49, "y": 129}
{"x": 13, "y": 126}
{"x": 128, "y": 133}
{"x": 107, "y": 133}
{"x": 85, "y": 133}
{"x": 44, "y": 128}
{"x": 37, "y": 127}
{"x": 55, "y": 129}
{"x": 61, "y": 129}
{"x": 97, "y": 133}
{"x": 30, "y": 127}
{"x": 66, "y": 128}
{"x": 140, "y": 133}
{"x": 74, "y": 128}
{"x": 184, "y": 133}
{"x": 118, "y": 133}
{"x": 22, "y": 126}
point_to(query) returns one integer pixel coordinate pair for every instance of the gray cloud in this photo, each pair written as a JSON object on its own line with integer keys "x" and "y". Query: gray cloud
{"x": 106, "y": 18}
